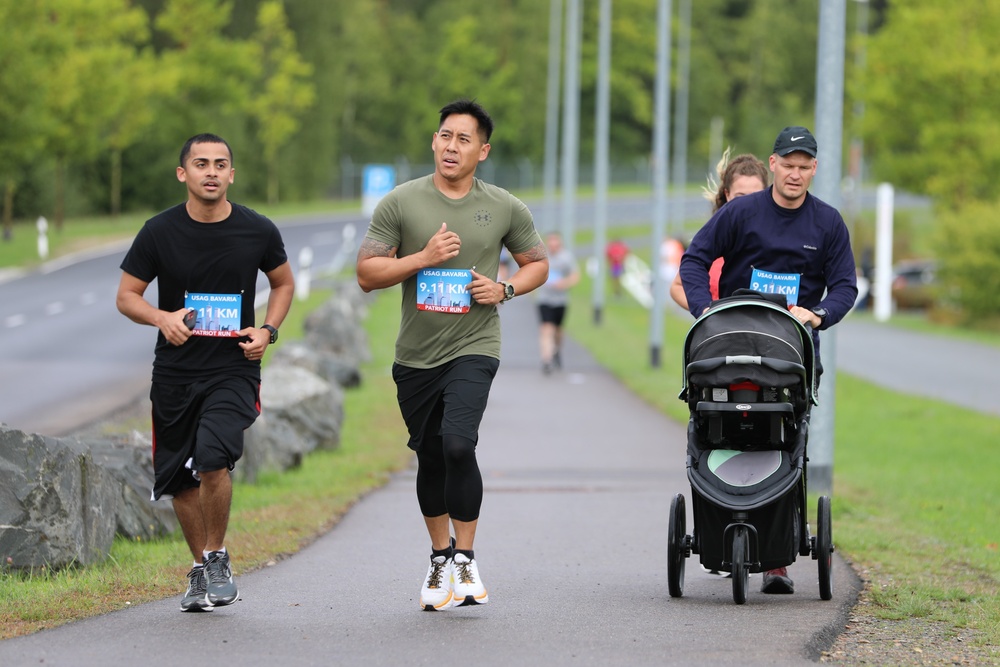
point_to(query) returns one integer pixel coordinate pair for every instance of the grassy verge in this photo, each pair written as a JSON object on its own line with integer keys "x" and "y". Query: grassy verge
{"x": 915, "y": 491}
{"x": 272, "y": 518}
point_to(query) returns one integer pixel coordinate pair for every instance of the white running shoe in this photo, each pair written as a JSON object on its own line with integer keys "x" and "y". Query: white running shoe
{"x": 436, "y": 593}
{"x": 469, "y": 587}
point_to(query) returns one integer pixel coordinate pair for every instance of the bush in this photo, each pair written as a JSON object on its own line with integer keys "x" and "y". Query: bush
{"x": 968, "y": 241}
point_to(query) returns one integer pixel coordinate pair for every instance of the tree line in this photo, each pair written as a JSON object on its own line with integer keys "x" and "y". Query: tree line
{"x": 96, "y": 96}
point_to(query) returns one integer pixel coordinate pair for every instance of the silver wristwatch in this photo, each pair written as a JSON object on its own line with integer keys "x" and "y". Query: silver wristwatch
{"x": 508, "y": 291}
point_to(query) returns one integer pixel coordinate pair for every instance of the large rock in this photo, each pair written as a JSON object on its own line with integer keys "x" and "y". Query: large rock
{"x": 300, "y": 412}
{"x": 335, "y": 343}
{"x": 339, "y": 369}
{"x": 57, "y": 506}
{"x": 130, "y": 459}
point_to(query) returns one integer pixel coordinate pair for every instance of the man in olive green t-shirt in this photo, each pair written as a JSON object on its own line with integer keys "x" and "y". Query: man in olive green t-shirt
{"x": 441, "y": 237}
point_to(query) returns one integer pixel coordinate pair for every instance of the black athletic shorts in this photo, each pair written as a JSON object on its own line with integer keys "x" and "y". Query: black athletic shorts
{"x": 199, "y": 427}
{"x": 447, "y": 399}
{"x": 551, "y": 314}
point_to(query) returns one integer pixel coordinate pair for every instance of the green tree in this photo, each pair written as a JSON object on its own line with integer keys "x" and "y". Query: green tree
{"x": 968, "y": 242}
{"x": 22, "y": 91}
{"x": 283, "y": 89}
{"x": 205, "y": 75}
{"x": 95, "y": 44}
{"x": 130, "y": 112}
{"x": 930, "y": 113}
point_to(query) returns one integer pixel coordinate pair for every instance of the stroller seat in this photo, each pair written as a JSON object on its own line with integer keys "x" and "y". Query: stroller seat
{"x": 743, "y": 480}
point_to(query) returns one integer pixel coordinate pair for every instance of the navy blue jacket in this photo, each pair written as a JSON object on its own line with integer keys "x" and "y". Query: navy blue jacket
{"x": 754, "y": 232}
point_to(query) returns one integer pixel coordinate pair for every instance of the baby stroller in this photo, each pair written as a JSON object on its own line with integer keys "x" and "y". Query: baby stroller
{"x": 749, "y": 385}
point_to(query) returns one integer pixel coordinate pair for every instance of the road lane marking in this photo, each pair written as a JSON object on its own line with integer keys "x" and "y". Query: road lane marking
{"x": 15, "y": 320}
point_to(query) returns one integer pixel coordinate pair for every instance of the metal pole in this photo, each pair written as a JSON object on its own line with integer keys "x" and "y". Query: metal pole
{"x": 829, "y": 135}
{"x": 856, "y": 164}
{"x": 661, "y": 128}
{"x": 681, "y": 98}
{"x": 603, "y": 112}
{"x": 552, "y": 118}
{"x": 715, "y": 144}
{"x": 571, "y": 121}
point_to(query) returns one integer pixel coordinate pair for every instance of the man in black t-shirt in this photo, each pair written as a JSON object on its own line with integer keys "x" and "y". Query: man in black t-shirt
{"x": 205, "y": 255}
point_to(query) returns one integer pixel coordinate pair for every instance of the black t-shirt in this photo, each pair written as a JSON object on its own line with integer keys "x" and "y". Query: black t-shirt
{"x": 211, "y": 267}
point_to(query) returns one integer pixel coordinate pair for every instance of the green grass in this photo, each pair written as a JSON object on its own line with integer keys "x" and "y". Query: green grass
{"x": 82, "y": 234}
{"x": 915, "y": 480}
{"x": 915, "y": 503}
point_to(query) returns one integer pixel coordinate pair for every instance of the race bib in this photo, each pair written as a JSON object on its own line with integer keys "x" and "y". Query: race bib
{"x": 443, "y": 290}
{"x": 770, "y": 282}
{"x": 217, "y": 314}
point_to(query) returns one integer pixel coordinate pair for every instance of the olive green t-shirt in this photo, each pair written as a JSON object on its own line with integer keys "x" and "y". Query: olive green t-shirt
{"x": 485, "y": 219}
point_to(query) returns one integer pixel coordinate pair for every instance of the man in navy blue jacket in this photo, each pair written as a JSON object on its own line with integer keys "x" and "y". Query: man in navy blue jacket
{"x": 781, "y": 240}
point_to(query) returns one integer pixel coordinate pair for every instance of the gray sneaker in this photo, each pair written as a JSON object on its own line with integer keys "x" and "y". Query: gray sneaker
{"x": 196, "y": 597}
{"x": 221, "y": 587}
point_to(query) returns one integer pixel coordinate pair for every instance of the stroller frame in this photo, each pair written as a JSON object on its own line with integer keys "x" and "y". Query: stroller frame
{"x": 753, "y": 404}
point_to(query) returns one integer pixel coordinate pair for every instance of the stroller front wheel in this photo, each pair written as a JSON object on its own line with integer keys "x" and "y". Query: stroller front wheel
{"x": 740, "y": 564}
{"x": 823, "y": 548}
{"x": 677, "y": 549}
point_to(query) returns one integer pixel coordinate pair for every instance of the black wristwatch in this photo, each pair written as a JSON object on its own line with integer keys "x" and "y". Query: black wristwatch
{"x": 508, "y": 290}
{"x": 274, "y": 332}
{"x": 820, "y": 313}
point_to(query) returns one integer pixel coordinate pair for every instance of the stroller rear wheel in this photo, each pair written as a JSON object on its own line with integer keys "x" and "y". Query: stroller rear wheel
{"x": 677, "y": 549}
{"x": 740, "y": 564}
{"x": 823, "y": 548}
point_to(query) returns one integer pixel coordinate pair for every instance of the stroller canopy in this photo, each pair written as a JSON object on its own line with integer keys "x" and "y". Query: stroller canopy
{"x": 743, "y": 326}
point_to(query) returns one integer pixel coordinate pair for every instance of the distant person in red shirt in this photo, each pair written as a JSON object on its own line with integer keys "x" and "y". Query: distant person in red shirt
{"x": 617, "y": 251}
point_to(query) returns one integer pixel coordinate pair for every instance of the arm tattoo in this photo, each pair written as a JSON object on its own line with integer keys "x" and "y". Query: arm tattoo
{"x": 536, "y": 253}
{"x": 372, "y": 248}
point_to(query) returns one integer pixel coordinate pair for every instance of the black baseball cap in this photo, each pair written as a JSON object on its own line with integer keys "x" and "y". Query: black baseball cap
{"x": 795, "y": 138}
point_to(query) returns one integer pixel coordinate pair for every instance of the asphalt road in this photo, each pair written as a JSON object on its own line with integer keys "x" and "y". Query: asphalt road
{"x": 579, "y": 474}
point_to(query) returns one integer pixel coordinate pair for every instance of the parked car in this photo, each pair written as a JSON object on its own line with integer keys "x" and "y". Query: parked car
{"x": 914, "y": 284}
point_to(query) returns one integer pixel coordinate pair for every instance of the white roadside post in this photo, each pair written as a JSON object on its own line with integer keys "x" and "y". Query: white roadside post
{"x": 303, "y": 280}
{"x": 883, "y": 252}
{"x": 43, "y": 237}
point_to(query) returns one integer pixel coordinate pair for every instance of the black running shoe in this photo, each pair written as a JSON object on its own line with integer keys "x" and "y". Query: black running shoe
{"x": 196, "y": 597}
{"x": 221, "y": 587}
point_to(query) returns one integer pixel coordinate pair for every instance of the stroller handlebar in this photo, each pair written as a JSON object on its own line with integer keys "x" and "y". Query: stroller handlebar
{"x": 743, "y": 359}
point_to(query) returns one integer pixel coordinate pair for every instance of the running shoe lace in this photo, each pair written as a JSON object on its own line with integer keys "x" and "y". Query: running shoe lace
{"x": 436, "y": 574}
{"x": 464, "y": 571}
{"x": 198, "y": 584}
{"x": 216, "y": 569}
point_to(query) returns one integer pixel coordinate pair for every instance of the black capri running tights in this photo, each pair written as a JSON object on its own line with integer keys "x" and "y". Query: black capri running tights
{"x": 448, "y": 478}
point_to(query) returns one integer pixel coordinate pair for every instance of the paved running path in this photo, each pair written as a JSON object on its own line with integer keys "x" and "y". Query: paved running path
{"x": 572, "y": 546}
